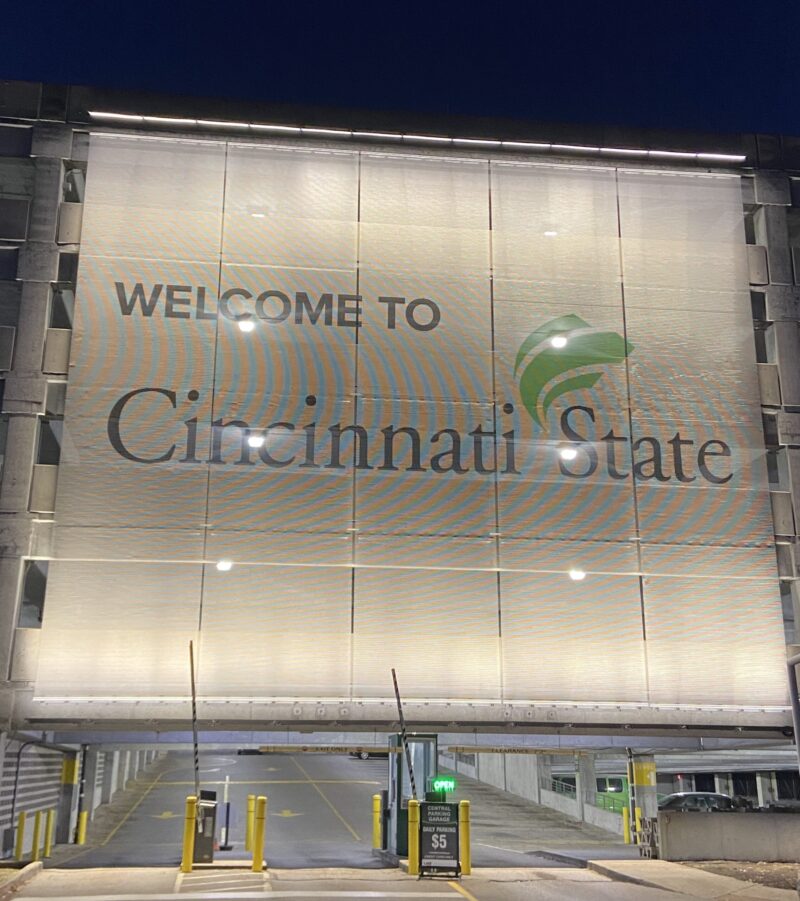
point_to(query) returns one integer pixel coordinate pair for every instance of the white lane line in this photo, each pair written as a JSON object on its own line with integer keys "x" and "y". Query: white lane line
{"x": 215, "y": 896}
{"x": 498, "y": 848}
{"x": 245, "y": 896}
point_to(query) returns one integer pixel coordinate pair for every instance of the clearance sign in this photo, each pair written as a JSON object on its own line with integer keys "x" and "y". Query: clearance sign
{"x": 495, "y": 424}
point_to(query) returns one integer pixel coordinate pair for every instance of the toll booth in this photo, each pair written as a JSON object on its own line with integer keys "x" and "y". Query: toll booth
{"x": 424, "y": 754}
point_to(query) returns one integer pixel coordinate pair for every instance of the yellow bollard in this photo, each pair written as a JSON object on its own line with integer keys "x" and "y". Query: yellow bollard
{"x": 189, "y": 830}
{"x": 49, "y": 825}
{"x": 626, "y": 825}
{"x": 258, "y": 834}
{"x": 376, "y": 822}
{"x": 248, "y": 826}
{"x": 413, "y": 838}
{"x": 465, "y": 849}
{"x": 637, "y": 812}
{"x": 19, "y": 844}
{"x": 37, "y": 835}
{"x": 83, "y": 822}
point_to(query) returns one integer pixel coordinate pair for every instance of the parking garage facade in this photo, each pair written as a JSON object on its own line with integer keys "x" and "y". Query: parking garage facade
{"x": 512, "y": 414}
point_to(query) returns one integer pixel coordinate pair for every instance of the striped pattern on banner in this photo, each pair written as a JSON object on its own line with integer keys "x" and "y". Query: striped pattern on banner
{"x": 410, "y": 505}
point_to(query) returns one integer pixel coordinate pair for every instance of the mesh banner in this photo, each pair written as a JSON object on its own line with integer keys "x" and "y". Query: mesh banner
{"x": 406, "y": 397}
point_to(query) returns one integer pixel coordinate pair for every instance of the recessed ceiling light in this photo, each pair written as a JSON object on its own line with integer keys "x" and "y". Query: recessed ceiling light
{"x": 246, "y": 325}
{"x": 256, "y": 440}
{"x": 577, "y": 575}
{"x": 558, "y": 341}
{"x": 551, "y": 234}
{"x": 568, "y": 453}
{"x": 258, "y": 215}
{"x": 224, "y": 565}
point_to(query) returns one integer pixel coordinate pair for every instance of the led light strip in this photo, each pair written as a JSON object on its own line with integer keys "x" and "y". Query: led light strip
{"x": 480, "y": 703}
{"x": 674, "y": 155}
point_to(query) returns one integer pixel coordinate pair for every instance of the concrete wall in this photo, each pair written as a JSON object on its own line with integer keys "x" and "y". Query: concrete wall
{"x": 524, "y": 775}
{"x": 738, "y": 835}
{"x": 563, "y": 803}
{"x": 604, "y": 819}
{"x": 492, "y": 769}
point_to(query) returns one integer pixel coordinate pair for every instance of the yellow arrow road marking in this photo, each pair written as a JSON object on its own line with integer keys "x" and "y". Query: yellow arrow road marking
{"x": 286, "y": 813}
{"x": 167, "y": 815}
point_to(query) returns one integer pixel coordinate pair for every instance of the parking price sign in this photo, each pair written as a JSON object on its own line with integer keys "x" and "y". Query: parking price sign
{"x": 438, "y": 837}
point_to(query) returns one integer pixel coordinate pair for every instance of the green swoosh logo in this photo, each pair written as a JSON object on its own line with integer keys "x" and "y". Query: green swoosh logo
{"x": 585, "y": 347}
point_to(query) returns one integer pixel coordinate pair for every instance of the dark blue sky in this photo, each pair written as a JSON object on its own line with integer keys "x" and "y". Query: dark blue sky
{"x": 728, "y": 66}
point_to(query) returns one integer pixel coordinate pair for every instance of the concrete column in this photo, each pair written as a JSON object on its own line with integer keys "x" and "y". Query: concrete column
{"x": 766, "y": 789}
{"x": 91, "y": 794}
{"x": 31, "y": 327}
{"x": 110, "y": 777}
{"x": 645, "y": 785}
{"x": 585, "y": 782}
{"x": 772, "y": 233}
{"x": 10, "y": 573}
{"x": 16, "y": 484}
{"x": 723, "y": 783}
{"x": 124, "y": 769}
{"x": 67, "y": 815}
{"x": 535, "y": 770}
{"x": 544, "y": 774}
{"x": 43, "y": 219}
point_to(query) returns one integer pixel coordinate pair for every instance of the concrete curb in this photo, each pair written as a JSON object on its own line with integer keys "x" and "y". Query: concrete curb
{"x": 579, "y": 862}
{"x": 24, "y": 875}
{"x": 695, "y": 884}
{"x": 598, "y": 867}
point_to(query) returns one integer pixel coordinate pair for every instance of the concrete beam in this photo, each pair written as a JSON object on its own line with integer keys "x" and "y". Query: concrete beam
{"x": 772, "y": 188}
{"x": 52, "y": 139}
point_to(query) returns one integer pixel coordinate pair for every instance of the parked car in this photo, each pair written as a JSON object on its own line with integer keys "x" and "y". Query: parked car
{"x": 705, "y": 801}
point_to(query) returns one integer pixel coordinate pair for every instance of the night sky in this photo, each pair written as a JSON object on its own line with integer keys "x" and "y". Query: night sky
{"x": 723, "y": 66}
